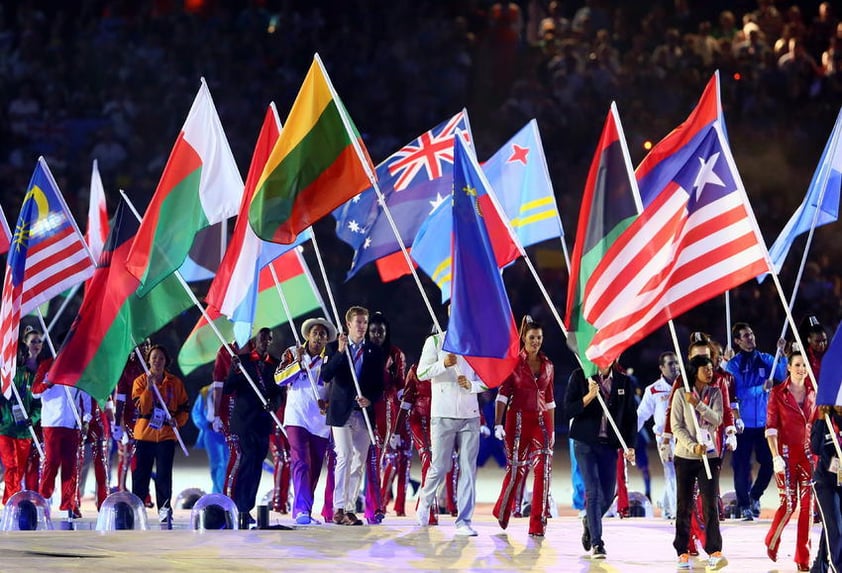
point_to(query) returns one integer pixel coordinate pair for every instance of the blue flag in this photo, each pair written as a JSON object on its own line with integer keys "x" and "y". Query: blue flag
{"x": 830, "y": 377}
{"x": 822, "y": 195}
{"x": 413, "y": 181}
{"x": 481, "y": 322}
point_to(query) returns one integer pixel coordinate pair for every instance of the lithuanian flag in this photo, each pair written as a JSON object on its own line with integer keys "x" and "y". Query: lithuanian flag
{"x": 318, "y": 163}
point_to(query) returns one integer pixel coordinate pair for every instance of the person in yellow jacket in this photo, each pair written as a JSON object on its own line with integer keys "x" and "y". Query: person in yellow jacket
{"x": 153, "y": 431}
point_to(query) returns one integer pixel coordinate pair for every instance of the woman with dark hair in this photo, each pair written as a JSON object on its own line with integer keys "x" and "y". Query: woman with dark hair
{"x": 15, "y": 438}
{"x": 827, "y": 477}
{"x": 789, "y": 415}
{"x": 153, "y": 431}
{"x": 694, "y": 418}
{"x": 526, "y": 399}
{"x": 392, "y": 427}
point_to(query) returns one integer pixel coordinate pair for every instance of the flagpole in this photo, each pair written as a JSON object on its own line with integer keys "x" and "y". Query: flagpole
{"x": 347, "y": 348}
{"x": 292, "y": 327}
{"x": 728, "y": 340}
{"x": 160, "y": 398}
{"x": 70, "y": 399}
{"x": 213, "y": 326}
{"x": 63, "y": 306}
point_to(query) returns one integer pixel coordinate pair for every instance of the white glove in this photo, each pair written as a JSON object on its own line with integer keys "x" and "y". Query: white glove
{"x": 394, "y": 441}
{"x": 217, "y": 424}
{"x": 499, "y": 432}
{"x": 484, "y": 431}
{"x": 116, "y": 433}
{"x": 731, "y": 442}
{"x": 740, "y": 425}
{"x": 779, "y": 464}
{"x": 665, "y": 451}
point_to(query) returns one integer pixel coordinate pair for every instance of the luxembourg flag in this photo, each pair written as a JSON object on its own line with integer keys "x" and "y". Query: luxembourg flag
{"x": 234, "y": 290}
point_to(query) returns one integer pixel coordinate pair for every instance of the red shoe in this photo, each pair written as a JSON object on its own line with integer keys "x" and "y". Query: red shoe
{"x": 773, "y": 554}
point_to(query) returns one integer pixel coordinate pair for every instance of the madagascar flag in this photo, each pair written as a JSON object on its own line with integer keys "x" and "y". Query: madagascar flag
{"x": 299, "y": 290}
{"x": 315, "y": 166}
{"x": 608, "y": 208}
{"x": 112, "y": 316}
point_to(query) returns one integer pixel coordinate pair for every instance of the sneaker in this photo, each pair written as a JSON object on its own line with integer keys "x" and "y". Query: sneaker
{"x": 748, "y": 515}
{"x": 338, "y": 517}
{"x": 599, "y": 552}
{"x": 755, "y": 507}
{"x": 684, "y": 561}
{"x": 164, "y": 514}
{"x": 422, "y": 516}
{"x": 305, "y": 519}
{"x": 586, "y": 535}
{"x": 716, "y": 561}
{"x": 464, "y": 530}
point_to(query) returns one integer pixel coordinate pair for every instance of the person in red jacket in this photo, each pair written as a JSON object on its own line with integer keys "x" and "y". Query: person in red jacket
{"x": 125, "y": 417}
{"x": 789, "y": 415}
{"x": 526, "y": 399}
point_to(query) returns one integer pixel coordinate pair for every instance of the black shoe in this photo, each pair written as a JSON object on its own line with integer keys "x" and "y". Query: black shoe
{"x": 599, "y": 552}
{"x": 586, "y": 535}
{"x": 755, "y": 507}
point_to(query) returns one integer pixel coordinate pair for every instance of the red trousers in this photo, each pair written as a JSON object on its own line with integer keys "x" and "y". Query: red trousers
{"x": 99, "y": 458}
{"x": 397, "y": 464}
{"x": 235, "y": 458}
{"x": 330, "y": 479}
{"x": 61, "y": 448}
{"x": 279, "y": 448}
{"x": 528, "y": 443}
{"x": 125, "y": 462}
{"x": 795, "y": 492}
{"x": 14, "y": 453}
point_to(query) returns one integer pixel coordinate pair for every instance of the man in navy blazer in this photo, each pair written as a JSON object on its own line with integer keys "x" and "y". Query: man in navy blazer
{"x": 345, "y": 409}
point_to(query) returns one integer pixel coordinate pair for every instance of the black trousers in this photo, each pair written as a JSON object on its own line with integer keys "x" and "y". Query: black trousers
{"x": 253, "y": 449}
{"x": 161, "y": 454}
{"x": 686, "y": 474}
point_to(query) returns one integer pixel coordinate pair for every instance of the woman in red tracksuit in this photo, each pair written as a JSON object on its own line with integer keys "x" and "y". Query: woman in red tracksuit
{"x": 789, "y": 415}
{"x": 526, "y": 397}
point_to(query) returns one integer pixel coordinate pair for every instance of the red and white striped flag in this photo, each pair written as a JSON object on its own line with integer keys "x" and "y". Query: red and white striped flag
{"x": 47, "y": 256}
{"x": 695, "y": 238}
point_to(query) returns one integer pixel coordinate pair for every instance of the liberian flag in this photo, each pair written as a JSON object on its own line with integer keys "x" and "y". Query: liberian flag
{"x": 233, "y": 291}
{"x": 608, "y": 208}
{"x": 298, "y": 288}
{"x": 113, "y": 317}
{"x": 47, "y": 256}
{"x": 97, "y": 231}
{"x": 200, "y": 186}
{"x": 695, "y": 238}
{"x": 318, "y": 163}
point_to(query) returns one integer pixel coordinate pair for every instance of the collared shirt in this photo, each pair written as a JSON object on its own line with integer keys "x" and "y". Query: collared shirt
{"x": 302, "y": 409}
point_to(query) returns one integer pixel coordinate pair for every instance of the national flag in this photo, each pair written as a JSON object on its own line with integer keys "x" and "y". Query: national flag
{"x": 200, "y": 186}
{"x": 47, "y": 255}
{"x": 820, "y": 205}
{"x": 319, "y": 162}
{"x": 481, "y": 328}
{"x": 298, "y": 287}
{"x": 205, "y": 254}
{"x": 97, "y": 231}
{"x": 695, "y": 238}
{"x": 113, "y": 317}
{"x": 5, "y": 234}
{"x": 519, "y": 176}
{"x": 234, "y": 290}
{"x": 829, "y": 391}
{"x": 414, "y": 181}
{"x": 608, "y": 208}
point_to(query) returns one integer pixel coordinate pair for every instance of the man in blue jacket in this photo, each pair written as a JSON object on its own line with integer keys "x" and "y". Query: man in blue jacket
{"x": 751, "y": 370}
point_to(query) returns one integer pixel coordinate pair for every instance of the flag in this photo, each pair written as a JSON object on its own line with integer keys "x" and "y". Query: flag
{"x": 317, "y": 163}
{"x": 97, "y": 231}
{"x": 520, "y": 179}
{"x": 234, "y": 290}
{"x": 820, "y": 205}
{"x": 301, "y": 293}
{"x": 205, "y": 254}
{"x": 482, "y": 328}
{"x": 200, "y": 186}
{"x": 608, "y": 208}
{"x": 695, "y": 238}
{"x": 414, "y": 181}
{"x": 47, "y": 256}
{"x": 5, "y": 234}
{"x": 113, "y": 317}
{"x": 829, "y": 391}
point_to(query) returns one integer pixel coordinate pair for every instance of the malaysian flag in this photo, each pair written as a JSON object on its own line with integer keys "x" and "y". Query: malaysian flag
{"x": 413, "y": 180}
{"x": 695, "y": 238}
{"x": 47, "y": 256}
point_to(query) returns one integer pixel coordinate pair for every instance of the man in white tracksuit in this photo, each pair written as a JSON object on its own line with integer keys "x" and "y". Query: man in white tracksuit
{"x": 454, "y": 423}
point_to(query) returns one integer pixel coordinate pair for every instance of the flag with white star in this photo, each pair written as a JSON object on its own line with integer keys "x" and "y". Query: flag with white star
{"x": 413, "y": 180}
